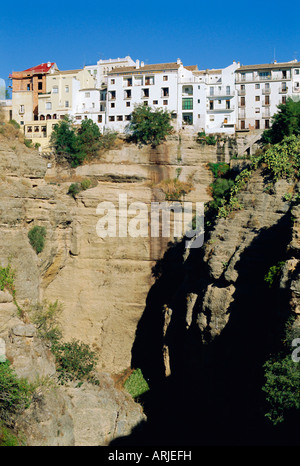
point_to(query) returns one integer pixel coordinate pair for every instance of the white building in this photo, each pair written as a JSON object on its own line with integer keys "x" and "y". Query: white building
{"x": 261, "y": 88}
{"x": 206, "y": 100}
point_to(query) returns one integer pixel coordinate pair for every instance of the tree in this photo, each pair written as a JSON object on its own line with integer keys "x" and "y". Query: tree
{"x": 88, "y": 138}
{"x": 285, "y": 122}
{"x": 75, "y": 145}
{"x": 63, "y": 139}
{"x": 149, "y": 126}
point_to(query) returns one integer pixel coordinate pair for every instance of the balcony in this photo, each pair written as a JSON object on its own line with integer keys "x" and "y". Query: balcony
{"x": 283, "y": 90}
{"x": 266, "y": 114}
{"x": 242, "y": 92}
{"x": 221, "y": 93}
{"x": 266, "y": 91}
{"x": 221, "y": 109}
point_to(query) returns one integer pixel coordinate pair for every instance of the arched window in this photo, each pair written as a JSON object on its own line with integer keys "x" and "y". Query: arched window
{"x": 42, "y": 117}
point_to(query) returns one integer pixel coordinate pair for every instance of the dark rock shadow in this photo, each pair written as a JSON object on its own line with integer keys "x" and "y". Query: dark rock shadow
{"x": 213, "y": 395}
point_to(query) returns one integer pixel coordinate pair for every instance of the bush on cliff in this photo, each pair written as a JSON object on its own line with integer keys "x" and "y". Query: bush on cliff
{"x": 285, "y": 122}
{"x": 76, "y": 144}
{"x": 36, "y": 237}
{"x": 149, "y": 126}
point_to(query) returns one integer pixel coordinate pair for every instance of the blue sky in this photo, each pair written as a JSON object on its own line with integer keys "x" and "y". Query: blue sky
{"x": 210, "y": 34}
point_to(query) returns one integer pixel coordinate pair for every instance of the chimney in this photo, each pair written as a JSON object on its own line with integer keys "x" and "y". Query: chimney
{"x": 179, "y": 62}
{"x": 137, "y": 64}
{"x": 142, "y": 64}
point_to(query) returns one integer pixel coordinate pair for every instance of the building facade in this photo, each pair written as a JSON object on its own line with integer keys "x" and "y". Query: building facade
{"x": 261, "y": 88}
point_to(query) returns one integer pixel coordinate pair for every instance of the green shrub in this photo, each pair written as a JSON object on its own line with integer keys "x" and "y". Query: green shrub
{"x": 37, "y": 238}
{"x": 45, "y": 316}
{"x": 7, "y": 277}
{"x": 148, "y": 126}
{"x": 136, "y": 385}
{"x": 85, "y": 184}
{"x": 14, "y": 124}
{"x": 75, "y": 361}
{"x": 273, "y": 273}
{"x": 15, "y": 393}
{"x": 8, "y": 438}
{"x": 74, "y": 189}
{"x": 28, "y": 142}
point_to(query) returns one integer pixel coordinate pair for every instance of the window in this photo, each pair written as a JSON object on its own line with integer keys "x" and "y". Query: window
{"x": 227, "y": 90}
{"x": 138, "y": 80}
{"x": 149, "y": 80}
{"x": 227, "y": 104}
{"x": 55, "y": 89}
{"x": 165, "y": 102}
{"x": 145, "y": 92}
{"x": 165, "y": 78}
{"x": 127, "y": 104}
{"x": 87, "y": 94}
{"x": 267, "y": 124}
{"x": 165, "y": 91}
{"x": 120, "y": 118}
{"x": 198, "y": 101}
{"x": 257, "y": 86}
{"x": 112, "y": 81}
{"x": 36, "y": 129}
{"x": 29, "y": 129}
{"x": 78, "y": 117}
{"x": 66, "y": 103}
{"x": 146, "y": 103}
{"x": 48, "y": 106}
{"x": 187, "y": 104}
{"x": 242, "y": 124}
{"x": 40, "y": 86}
{"x": 112, "y": 105}
{"x": 112, "y": 95}
{"x": 219, "y": 102}
{"x": 283, "y": 100}
{"x": 66, "y": 88}
{"x": 128, "y": 117}
{"x": 297, "y": 71}
{"x": 28, "y": 87}
{"x": 257, "y": 98}
{"x": 211, "y": 105}
{"x": 243, "y": 102}
{"x": 99, "y": 118}
{"x": 127, "y": 94}
{"x": 22, "y": 109}
{"x": 155, "y": 102}
{"x": 257, "y": 110}
{"x": 257, "y": 124}
{"x": 93, "y": 104}
{"x": 267, "y": 100}
{"x": 111, "y": 118}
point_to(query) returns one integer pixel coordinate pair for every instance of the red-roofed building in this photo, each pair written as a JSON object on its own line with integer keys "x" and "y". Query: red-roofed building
{"x": 26, "y": 86}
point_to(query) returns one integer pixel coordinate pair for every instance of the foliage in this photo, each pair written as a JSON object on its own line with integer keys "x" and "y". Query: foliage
{"x": 285, "y": 122}
{"x": 149, "y": 126}
{"x": 63, "y": 140}
{"x": 108, "y": 139}
{"x": 77, "y": 144}
{"x": 14, "y": 124}
{"x": 174, "y": 188}
{"x": 46, "y": 318}
{"x": 136, "y": 385}
{"x": 283, "y": 159}
{"x": 87, "y": 139}
{"x": 7, "y": 438}
{"x": 273, "y": 273}
{"x": 76, "y": 361}
{"x": 7, "y": 277}
{"x": 28, "y": 142}
{"x": 36, "y": 237}
{"x": 15, "y": 393}
{"x": 75, "y": 188}
{"x": 202, "y": 138}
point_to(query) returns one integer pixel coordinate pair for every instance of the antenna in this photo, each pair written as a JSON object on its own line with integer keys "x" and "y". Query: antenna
{"x": 274, "y": 59}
